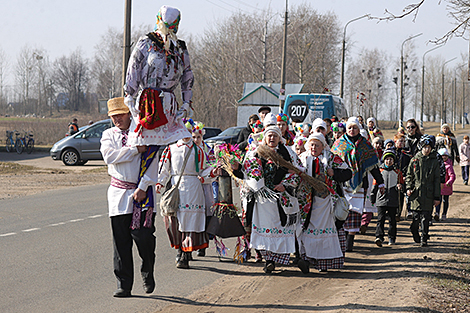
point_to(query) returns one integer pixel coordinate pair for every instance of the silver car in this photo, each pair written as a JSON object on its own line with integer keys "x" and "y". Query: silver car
{"x": 82, "y": 146}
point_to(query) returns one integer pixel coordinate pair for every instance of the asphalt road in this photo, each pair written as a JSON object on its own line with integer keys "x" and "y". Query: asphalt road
{"x": 44, "y": 160}
{"x": 56, "y": 256}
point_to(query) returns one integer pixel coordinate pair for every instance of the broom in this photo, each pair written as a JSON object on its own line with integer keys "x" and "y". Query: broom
{"x": 269, "y": 154}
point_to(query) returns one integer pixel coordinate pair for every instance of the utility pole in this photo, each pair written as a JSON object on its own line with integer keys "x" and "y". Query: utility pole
{"x": 402, "y": 96}
{"x": 282, "y": 92}
{"x": 422, "y": 85}
{"x": 126, "y": 53}
{"x": 442, "y": 91}
{"x": 343, "y": 53}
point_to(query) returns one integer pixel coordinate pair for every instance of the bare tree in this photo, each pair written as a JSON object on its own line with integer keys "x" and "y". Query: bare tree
{"x": 107, "y": 65}
{"x": 3, "y": 72}
{"x": 71, "y": 76}
{"x": 314, "y": 48}
{"x": 367, "y": 76}
{"x": 25, "y": 78}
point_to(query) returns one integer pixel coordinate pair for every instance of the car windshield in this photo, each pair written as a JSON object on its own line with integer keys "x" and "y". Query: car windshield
{"x": 232, "y": 131}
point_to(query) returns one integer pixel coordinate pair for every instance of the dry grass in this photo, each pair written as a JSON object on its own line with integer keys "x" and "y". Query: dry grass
{"x": 46, "y": 130}
{"x": 11, "y": 168}
{"x": 389, "y": 129}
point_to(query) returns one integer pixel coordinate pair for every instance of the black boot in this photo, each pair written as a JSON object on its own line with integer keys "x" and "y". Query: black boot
{"x": 349, "y": 243}
{"x": 201, "y": 252}
{"x": 183, "y": 261}
{"x": 178, "y": 255}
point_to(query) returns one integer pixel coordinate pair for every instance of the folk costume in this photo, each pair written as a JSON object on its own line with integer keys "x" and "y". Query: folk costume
{"x": 273, "y": 215}
{"x": 158, "y": 64}
{"x": 362, "y": 159}
{"x": 374, "y": 131}
{"x": 321, "y": 243}
{"x": 123, "y": 166}
{"x": 186, "y": 231}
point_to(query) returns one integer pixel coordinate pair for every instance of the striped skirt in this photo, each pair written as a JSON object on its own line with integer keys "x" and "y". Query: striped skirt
{"x": 187, "y": 241}
{"x": 353, "y": 222}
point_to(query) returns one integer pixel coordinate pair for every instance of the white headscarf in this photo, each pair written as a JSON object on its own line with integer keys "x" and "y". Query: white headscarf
{"x": 319, "y": 137}
{"x": 269, "y": 119}
{"x": 168, "y": 15}
{"x": 353, "y": 120}
{"x": 273, "y": 129}
{"x": 318, "y": 122}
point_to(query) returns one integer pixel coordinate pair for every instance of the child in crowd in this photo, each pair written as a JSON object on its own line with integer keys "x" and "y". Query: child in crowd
{"x": 464, "y": 152}
{"x": 377, "y": 144}
{"x": 387, "y": 203}
{"x": 423, "y": 188}
{"x": 338, "y": 129}
{"x": 446, "y": 188}
{"x": 299, "y": 145}
{"x": 389, "y": 144}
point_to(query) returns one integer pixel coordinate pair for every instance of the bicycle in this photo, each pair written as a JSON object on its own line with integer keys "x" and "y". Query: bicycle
{"x": 19, "y": 143}
{"x": 10, "y": 143}
{"x": 29, "y": 143}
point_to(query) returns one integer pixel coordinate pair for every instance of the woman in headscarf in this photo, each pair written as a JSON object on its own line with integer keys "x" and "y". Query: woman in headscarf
{"x": 362, "y": 159}
{"x": 271, "y": 206}
{"x": 374, "y": 131}
{"x": 159, "y": 64}
{"x": 322, "y": 242}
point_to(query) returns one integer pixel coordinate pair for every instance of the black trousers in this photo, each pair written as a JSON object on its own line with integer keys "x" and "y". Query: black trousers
{"x": 382, "y": 213}
{"x": 420, "y": 218}
{"x": 123, "y": 238}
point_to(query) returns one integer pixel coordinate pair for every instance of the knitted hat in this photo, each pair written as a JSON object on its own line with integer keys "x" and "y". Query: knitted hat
{"x": 389, "y": 153}
{"x": 426, "y": 140}
{"x": 117, "y": 106}
{"x": 443, "y": 151}
{"x": 386, "y": 142}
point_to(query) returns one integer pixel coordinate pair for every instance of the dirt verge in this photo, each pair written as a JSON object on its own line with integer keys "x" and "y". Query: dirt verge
{"x": 400, "y": 278}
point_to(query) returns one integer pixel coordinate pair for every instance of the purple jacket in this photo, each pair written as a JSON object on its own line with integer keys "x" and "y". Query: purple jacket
{"x": 446, "y": 189}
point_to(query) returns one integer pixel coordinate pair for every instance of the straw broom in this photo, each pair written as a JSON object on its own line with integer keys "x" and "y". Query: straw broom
{"x": 269, "y": 154}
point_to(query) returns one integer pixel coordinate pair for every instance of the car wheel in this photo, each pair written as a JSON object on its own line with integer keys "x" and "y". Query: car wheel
{"x": 70, "y": 157}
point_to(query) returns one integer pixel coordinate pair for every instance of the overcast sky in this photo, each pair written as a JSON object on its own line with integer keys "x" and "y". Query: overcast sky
{"x": 60, "y": 26}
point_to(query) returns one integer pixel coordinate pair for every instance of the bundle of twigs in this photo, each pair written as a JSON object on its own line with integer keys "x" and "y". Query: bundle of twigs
{"x": 225, "y": 160}
{"x": 269, "y": 154}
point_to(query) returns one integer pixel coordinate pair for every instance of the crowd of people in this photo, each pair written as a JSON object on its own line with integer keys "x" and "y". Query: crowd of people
{"x": 306, "y": 189}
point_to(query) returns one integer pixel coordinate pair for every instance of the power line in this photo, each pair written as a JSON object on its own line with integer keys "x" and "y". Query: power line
{"x": 234, "y": 6}
{"x": 249, "y": 5}
{"x": 220, "y": 6}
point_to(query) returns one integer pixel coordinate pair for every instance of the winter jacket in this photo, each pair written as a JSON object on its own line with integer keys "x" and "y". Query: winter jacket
{"x": 403, "y": 160}
{"x": 244, "y": 134}
{"x": 449, "y": 142}
{"x": 446, "y": 189}
{"x": 464, "y": 152}
{"x": 411, "y": 143}
{"x": 423, "y": 179}
{"x": 392, "y": 176}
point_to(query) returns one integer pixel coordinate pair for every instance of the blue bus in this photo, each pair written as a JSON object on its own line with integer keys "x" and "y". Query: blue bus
{"x": 305, "y": 107}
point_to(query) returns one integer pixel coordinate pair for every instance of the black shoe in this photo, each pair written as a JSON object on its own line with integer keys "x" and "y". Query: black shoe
{"x": 465, "y": 182}
{"x": 269, "y": 267}
{"x": 304, "y": 266}
{"x": 149, "y": 286}
{"x": 424, "y": 243}
{"x": 190, "y": 256}
{"x": 378, "y": 242}
{"x": 323, "y": 270}
{"x": 178, "y": 255}
{"x": 201, "y": 252}
{"x": 122, "y": 293}
{"x": 184, "y": 261}
{"x": 349, "y": 243}
{"x": 436, "y": 217}
{"x": 363, "y": 229}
